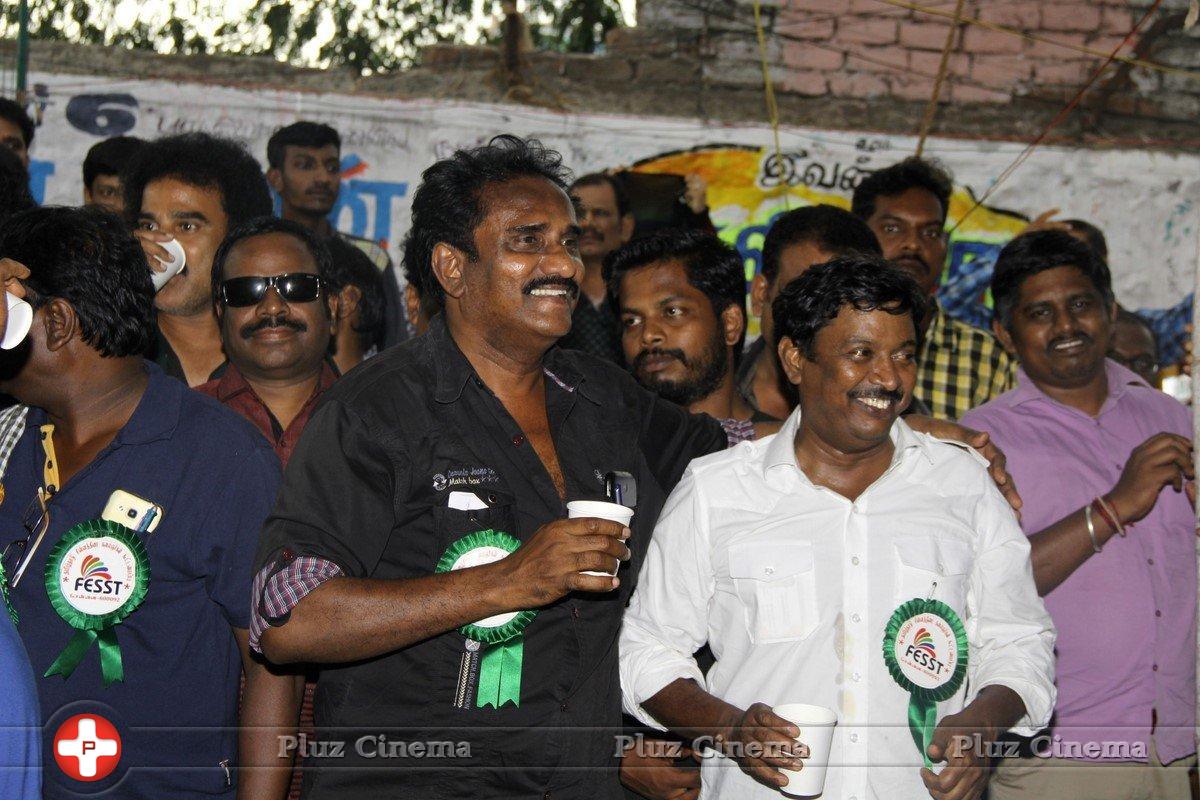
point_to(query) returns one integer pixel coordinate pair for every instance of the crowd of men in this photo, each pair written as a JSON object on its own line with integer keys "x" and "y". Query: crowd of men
{"x": 341, "y": 486}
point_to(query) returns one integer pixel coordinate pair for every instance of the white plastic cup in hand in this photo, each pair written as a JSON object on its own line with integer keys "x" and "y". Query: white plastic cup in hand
{"x": 20, "y": 318}
{"x": 816, "y": 724}
{"x": 597, "y": 509}
{"x": 171, "y": 268}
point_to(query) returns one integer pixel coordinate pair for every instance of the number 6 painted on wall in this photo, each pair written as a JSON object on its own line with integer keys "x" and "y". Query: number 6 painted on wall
{"x": 102, "y": 114}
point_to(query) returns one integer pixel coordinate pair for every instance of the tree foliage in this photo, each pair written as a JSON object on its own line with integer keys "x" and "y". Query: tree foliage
{"x": 575, "y": 26}
{"x": 368, "y": 36}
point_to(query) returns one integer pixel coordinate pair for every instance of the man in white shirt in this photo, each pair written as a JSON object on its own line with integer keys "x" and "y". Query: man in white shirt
{"x": 790, "y": 554}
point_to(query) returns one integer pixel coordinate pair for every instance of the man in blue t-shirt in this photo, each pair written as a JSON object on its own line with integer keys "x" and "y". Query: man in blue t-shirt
{"x": 20, "y": 722}
{"x": 153, "y": 703}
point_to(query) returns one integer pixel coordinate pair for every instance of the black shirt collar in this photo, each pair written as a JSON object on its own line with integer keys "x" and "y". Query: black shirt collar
{"x": 452, "y": 370}
{"x": 450, "y": 366}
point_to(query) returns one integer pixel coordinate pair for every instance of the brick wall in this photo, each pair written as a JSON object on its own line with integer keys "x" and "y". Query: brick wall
{"x": 867, "y": 49}
{"x": 837, "y": 64}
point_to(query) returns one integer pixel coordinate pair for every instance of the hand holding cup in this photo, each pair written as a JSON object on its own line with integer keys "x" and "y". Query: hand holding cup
{"x": 16, "y": 316}
{"x": 615, "y": 512}
{"x": 553, "y": 561}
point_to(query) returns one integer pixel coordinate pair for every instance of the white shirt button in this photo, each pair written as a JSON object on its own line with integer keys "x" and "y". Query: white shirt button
{"x": 854, "y": 737}
{"x": 856, "y": 618}
{"x": 854, "y": 560}
{"x": 855, "y": 677}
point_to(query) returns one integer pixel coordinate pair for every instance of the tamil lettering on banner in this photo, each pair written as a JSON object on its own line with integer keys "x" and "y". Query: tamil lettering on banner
{"x": 1147, "y": 202}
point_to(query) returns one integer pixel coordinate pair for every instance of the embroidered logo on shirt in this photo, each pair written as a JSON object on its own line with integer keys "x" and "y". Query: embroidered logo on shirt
{"x": 464, "y": 476}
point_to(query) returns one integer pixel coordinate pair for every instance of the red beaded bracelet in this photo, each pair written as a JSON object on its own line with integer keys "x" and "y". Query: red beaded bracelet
{"x": 1107, "y": 514}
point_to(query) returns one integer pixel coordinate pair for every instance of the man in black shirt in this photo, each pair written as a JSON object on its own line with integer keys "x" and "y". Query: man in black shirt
{"x": 606, "y": 223}
{"x": 447, "y": 672}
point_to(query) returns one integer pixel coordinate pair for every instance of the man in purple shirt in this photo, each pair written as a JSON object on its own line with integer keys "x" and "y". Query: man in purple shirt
{"x": 1104, "y": 468}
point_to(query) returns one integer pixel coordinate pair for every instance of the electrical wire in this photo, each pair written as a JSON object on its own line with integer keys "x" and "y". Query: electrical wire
{"x": 1058, "y": 118}
{"x": 931, "y": 109}
{"x": 1033, "y": 37}
{"x": 769, "y": 91}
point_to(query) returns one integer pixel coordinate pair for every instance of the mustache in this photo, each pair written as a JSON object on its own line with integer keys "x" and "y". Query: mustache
{"x": 890, "y": 395}
{"x": 656, "y": 352}
{"x": 252, "y": 328}
{"x": 912, "y": 257}
{"x": 551, "y": 281}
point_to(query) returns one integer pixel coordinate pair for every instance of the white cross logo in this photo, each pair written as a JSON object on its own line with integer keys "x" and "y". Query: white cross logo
{"x": 87, "y": 747}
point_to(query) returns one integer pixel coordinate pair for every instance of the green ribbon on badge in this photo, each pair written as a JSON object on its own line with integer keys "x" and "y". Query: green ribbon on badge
{"x": 500, "y": 674}
{"x": 503, "y": 634}
{"x": 925, "y": 650}
{"x": 12, "y": 611}
{"x": 96, "y": 576}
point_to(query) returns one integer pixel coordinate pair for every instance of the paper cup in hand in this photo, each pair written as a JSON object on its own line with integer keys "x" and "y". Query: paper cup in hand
{"x": 172, "y": 268}
{"x": 599, "y": 510}
{"x": 816, "y": 725}
{"x": 20, "y": 318}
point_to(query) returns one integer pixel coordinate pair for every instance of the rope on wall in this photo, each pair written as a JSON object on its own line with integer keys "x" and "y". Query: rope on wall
{"x": 769, "y": 93}
{"x": 1058, "y": 118}
{"x": 1033, "y": 37}
{"x": 931, "y": 110}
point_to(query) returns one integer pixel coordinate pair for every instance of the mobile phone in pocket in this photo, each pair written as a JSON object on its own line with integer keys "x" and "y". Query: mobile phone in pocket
{"x": 136, "y": 513}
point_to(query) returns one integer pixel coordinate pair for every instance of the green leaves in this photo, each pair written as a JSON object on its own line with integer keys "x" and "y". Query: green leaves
{"x": 366, "y": 36}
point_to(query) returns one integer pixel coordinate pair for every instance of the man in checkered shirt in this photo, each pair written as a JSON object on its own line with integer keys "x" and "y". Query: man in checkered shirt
{"x": 959, "y": 366}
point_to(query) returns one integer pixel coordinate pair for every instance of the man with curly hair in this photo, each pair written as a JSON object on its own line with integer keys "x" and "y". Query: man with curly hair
{"x": 193, "y": 188}
{"x": 432, "y": 459}
{"x": 799, "y": 558}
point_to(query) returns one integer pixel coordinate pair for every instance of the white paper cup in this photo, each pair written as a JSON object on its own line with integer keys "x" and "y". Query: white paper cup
{"x": 173, "y": 267}
{"x": 20, "y": 318}
{"x": 816, "y": 724}
{"x": 597, "y": 509}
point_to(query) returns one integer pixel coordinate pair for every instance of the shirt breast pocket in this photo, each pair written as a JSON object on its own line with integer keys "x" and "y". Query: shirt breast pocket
{"x": 454, "y": 523}
{"x": 932, "y": 567}
{"x": 777, "y": 586}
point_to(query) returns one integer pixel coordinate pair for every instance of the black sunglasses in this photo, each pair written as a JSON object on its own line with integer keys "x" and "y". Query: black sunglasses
{"x": 294, "y": 287}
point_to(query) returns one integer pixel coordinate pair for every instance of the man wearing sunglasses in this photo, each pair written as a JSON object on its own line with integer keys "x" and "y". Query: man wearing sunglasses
{"x": 275, "y": 308}
{"x": 101, "y": 431}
